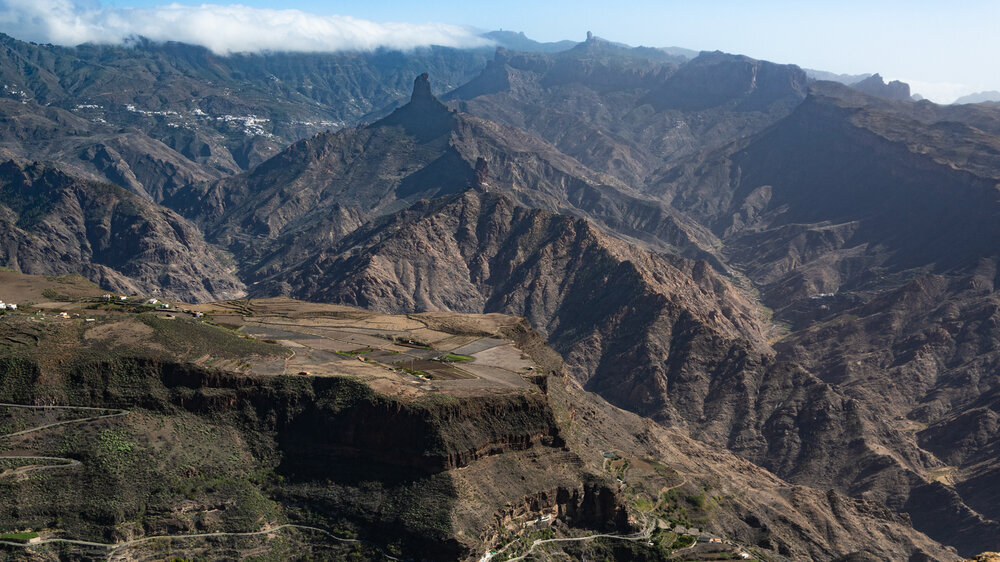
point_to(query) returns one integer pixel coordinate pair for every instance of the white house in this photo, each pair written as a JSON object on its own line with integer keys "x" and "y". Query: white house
{"x": 11, "y": 306}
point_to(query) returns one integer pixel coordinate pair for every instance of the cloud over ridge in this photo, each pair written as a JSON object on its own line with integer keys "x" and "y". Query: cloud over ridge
{"x": 223, "y": 29}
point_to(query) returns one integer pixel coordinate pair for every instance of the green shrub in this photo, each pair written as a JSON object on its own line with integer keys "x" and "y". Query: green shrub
{"x": 19, "y": 537}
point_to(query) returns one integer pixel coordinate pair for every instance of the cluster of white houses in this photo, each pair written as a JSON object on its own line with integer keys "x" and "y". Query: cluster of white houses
{"x": 155, "y": 302}
{"x": 7, "y": 306}
{"x": 151, "y": 302}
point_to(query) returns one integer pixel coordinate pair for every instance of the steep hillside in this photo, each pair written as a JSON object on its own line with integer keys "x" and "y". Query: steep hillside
{"x": 626, "y": 111}
{"x": 841, "y": 196}
{"x": 871, "y": 227}
{"x": 94, "y": 150}
{"x": 421, "y": 150}
{"x": 53, "y": 223}
{"x": 480, "y": 252}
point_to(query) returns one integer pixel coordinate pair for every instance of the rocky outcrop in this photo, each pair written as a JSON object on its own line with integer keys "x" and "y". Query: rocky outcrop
{"x": 875, "y": 86}
{"x": 594, "y": 506}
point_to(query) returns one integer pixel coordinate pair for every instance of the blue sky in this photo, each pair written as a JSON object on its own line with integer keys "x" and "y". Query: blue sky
{"x": 942, "y": 49}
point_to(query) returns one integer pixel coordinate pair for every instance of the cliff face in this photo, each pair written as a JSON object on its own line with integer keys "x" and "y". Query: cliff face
{"x": 318, "y": 420}
{"x": 53, "y": 223}
{"x": 338, "y": 454}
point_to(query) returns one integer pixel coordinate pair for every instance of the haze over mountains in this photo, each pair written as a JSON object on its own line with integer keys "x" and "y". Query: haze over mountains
{"x": 794, "y": 273}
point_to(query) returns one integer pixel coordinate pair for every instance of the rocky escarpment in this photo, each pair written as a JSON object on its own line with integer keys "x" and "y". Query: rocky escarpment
{"x": 717, "y": 79}
{"x": 327, "y": 436}
{"x": 442, "y": 475}
{"x": 52, "y": 223}
{"x": 592, "y": 505}
{"x": 321, "y": 419}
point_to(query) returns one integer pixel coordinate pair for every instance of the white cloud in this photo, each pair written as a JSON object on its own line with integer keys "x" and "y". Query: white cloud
{"x": 222, "y": 28}
{"x": 940, "y": 92}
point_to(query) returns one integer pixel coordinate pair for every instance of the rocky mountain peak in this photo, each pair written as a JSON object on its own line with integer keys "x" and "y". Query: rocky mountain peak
{"x": 876, "y": 86}
{"x": 425, "y": 116}
{"x": 422, "y": 99}
{"x": 422, "y": 89}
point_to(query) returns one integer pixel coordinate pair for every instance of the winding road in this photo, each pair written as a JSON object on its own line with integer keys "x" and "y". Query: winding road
{"x": 111, "y": 547}
{"x": 134, "y": 542}
{"x": 66, "y": 463}
{"x": 640, "y": 536}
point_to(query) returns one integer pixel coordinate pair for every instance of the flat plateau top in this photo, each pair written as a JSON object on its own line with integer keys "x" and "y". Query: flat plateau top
{"x": 406, "y": 355}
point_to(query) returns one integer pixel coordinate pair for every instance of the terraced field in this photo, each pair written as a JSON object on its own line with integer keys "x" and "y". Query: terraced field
{"x": 412, "y": 353}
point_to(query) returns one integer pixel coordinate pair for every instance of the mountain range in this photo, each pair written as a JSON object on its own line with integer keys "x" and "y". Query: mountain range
{"x": 795, "y": 274}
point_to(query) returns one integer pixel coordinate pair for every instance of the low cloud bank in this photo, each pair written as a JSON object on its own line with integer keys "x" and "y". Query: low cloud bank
{"x": 223, "y": 29}
{"x": 941, "y": 92}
